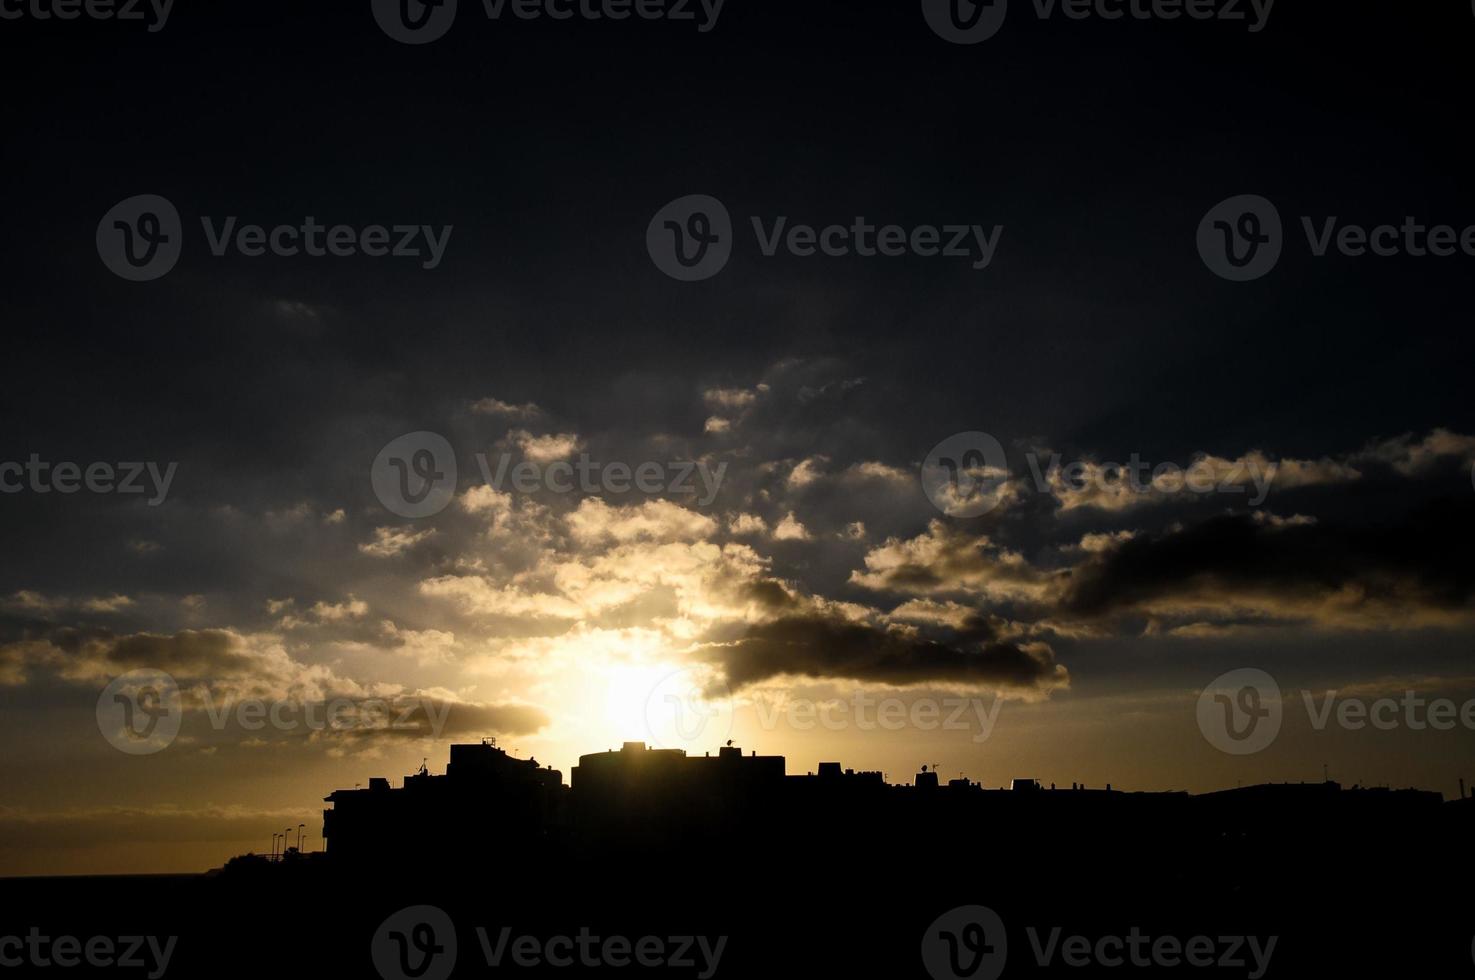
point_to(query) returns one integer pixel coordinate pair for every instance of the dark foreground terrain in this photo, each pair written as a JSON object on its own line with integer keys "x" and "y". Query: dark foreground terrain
{"x": 859, "y": 900}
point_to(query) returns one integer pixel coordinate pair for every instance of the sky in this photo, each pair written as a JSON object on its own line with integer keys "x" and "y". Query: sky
{"x": 882, "y": 519}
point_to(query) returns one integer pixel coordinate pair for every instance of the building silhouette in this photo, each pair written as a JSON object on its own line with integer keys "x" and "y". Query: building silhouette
{"x": 642, "y": 800}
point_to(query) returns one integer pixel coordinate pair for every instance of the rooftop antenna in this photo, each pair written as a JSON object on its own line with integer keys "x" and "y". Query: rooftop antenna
{"x": 1324, "y": 777}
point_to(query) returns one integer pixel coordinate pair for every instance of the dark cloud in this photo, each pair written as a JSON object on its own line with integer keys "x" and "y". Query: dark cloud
{"x": 827, "y": 647}
{"x": 1410, "y": 570}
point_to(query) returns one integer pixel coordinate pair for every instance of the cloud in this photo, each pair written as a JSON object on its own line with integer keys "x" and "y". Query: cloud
{"x": 731, "y": 399}
{"x": 1412, "y": 458}
{"x": 391, "y": 541}
{"x": 1400, "y": 574}
{"x": 224, "y": 662}
{"x": 945, "y": 560}
{"x": 500, "y": 409}
{"x": 35, "y": 603}
{"x": 425, "y": 647}
{"x": 806, "y": 472}
{"x": 747, "y": 524}
{"x": 545, "y": 449}
{"x": 479, "y": 595}
{"x": 595, "y": 521}
{"x": 872, "y": 470}
{"x": 1113, "y": 488}
{"x": 789, "y": 529}
{"x": 822, "y": 646}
